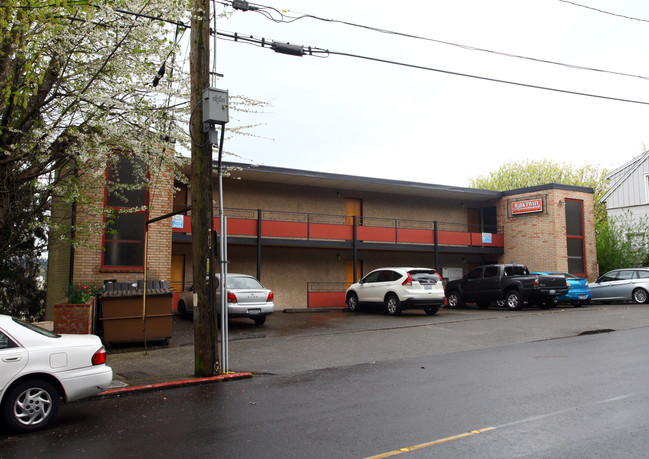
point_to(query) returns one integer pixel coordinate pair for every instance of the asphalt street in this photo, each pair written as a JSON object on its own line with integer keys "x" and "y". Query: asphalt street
{"x": 577, "y": 396}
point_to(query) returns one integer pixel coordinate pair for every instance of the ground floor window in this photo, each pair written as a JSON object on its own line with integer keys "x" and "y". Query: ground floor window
{"x": 575, "y": 236}
{"x": 126, "y": 199}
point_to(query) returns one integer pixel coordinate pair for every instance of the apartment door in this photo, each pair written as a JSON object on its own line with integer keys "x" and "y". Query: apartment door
{"x": 349, "y": 272}
{"x": 474, "y": 220}
{"x": 353, "y": 208}
{"x": 177, "y": 273}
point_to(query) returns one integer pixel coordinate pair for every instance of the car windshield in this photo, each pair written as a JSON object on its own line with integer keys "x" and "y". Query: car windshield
{"x": 243, "y": 282}
{"x": 37, "y": 329}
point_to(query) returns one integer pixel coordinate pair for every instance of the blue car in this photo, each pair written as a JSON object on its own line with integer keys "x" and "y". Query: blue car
{"x": 578, "y": 291}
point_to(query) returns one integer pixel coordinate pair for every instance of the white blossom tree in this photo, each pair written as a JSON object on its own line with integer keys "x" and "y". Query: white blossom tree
{"x": 77, "y": 84}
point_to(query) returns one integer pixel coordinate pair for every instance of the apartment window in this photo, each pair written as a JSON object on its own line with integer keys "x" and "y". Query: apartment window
{"x": 575, "y": 236}
{"x": 126, "y": 197}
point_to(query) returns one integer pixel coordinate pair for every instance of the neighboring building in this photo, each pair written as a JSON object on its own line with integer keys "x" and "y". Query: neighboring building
{"x": 629, "y": 189}
{"x": 306, "y": 235}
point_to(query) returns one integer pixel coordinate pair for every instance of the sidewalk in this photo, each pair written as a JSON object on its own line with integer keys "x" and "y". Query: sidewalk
{"x": 136, "y": 367}
{"x": 159, "y": 365}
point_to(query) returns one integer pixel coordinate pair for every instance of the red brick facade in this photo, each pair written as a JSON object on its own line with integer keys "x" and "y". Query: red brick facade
{"x": 74, "y": 318}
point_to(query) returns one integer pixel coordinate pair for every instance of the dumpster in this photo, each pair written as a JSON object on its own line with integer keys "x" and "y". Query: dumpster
{"x": 122, "y": 307}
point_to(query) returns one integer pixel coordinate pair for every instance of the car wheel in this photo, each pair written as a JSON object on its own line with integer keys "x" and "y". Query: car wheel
{"x": 513, "y": 300}
{"x": 431, "y": 311}
{"x": 183, "y": 310}
{"x": 392, "y": 305}
{"x": 640, "y": 296}
{"x": 352, "y": 302}
{"x": 454, "y": 300}
{"x": 261, "y": 320}
{"x": 30, "y": 405}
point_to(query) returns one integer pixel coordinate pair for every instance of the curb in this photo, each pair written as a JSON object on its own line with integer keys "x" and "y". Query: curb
{"x": 172, "y": 384}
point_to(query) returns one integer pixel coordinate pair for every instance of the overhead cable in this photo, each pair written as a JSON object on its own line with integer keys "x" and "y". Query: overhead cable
{"x": 243, "y": 5}
{"x": 605, "y": 12}
{"x": 313, "y": 51}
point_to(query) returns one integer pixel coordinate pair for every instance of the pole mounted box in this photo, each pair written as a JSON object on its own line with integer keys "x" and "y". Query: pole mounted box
{"x": 215, "y": 107}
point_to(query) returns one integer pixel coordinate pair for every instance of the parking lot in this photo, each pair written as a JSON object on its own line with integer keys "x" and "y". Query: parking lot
{"x": 303, "y": 341}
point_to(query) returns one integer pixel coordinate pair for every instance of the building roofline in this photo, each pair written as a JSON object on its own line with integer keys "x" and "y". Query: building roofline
{"x": 368, "y": 183}
{"x": 635, "y": 163}
{"x": 549, "y": 186}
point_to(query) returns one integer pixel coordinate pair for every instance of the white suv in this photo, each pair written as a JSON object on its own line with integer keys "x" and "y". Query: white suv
{"x": 398, "y": 289}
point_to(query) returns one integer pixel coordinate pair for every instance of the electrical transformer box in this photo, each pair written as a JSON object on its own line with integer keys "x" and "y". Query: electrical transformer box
{"x": 215, "y": 106}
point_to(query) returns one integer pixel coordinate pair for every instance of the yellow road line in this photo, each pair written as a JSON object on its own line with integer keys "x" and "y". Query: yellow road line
{"x": 431, "y": 443}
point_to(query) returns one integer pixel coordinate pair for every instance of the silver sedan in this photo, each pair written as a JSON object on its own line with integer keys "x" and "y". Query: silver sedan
{"x": 630, "y": 284}
{"x": 246, "y": 298}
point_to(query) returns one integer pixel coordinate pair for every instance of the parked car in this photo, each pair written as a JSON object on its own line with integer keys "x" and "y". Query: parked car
{"x": 630, "y": 284}
{"x": 247, "y": 298}
{"x": 578, "y": 291}
{"x": 39, "y": 369}
{"x": 510, "y": 285}
{"x": 397, "y": 289}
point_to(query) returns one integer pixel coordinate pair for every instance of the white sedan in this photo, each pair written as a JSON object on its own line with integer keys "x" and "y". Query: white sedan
{"x": 39, "y": 369}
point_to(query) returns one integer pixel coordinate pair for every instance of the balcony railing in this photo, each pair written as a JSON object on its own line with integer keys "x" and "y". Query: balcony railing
{"x": 322, "y": 227}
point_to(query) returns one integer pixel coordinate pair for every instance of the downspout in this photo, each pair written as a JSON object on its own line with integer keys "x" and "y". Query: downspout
{"x": 436, "y": 247}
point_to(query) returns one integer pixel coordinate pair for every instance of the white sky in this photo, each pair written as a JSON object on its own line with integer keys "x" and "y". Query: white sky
{"x": 353, "y": 116}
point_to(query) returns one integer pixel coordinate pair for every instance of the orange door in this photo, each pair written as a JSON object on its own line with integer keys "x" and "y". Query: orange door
{"x": 353, "y": 208}
{"x": 177, "y": 272}
{"x": 473, "y": 220}
{"x": 349, "y": 272}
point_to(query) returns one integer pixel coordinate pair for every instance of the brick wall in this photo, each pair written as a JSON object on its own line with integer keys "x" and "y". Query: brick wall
{"x": 539, "y": 239}
{"x": 74, "y": 318}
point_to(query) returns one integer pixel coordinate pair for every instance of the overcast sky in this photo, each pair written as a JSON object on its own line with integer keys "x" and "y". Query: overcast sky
{"x": 354, "y": 116}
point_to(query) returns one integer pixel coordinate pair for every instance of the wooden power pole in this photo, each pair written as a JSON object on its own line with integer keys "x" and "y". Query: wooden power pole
{"x": 205, "y": 329}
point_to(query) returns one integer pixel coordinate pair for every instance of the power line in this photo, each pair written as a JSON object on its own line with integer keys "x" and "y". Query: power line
{"x": 314, "y": 51}
{"x": 604, "y": 12}
{"x": 285, "y": 18}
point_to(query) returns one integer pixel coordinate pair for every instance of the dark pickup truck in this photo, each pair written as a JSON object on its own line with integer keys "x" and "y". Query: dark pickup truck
{"x": 510, "y": 285}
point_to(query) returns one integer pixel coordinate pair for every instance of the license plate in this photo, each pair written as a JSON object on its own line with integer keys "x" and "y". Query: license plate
{"x": 582, "y": 297}
{"x": 253, "y": 312}
{"x": 552, "y": 292}
{"x": 428, "y": 287}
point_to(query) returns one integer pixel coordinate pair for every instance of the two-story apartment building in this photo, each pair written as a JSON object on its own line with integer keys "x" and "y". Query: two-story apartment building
{"x": 307, "y": 234}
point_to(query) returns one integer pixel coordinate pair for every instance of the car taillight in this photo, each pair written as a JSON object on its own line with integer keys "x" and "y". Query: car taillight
{"x": 536, "y": 282}
{"x": 99, "y": 357}
{"x": 232, "y": 298}
{"x": 271, "y": 297}
{"x": 408, "y": 280}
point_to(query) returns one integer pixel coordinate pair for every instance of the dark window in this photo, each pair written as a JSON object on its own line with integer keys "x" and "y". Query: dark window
{"x": 425, "y": 276}
{"x": 124, "y": 234}
{"x": 372, "y": 277}
{"x": 475, "y": 274}
{"x": 575, "y": 236}
{"x": 608, "y": 277}
{"x": 6, "y": 342}
{"x": 491, "y": 271}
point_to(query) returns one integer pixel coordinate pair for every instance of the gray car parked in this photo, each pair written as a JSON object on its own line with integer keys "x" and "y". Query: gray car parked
{"x": 246, "y": 298}
{"x": 630, "y": 284}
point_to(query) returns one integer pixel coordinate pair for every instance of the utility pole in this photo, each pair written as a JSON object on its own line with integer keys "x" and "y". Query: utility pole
{"x": 205, "y": 329}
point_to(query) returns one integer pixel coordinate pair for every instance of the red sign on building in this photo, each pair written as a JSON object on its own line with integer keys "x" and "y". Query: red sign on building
{"x": 526, "y": 207}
